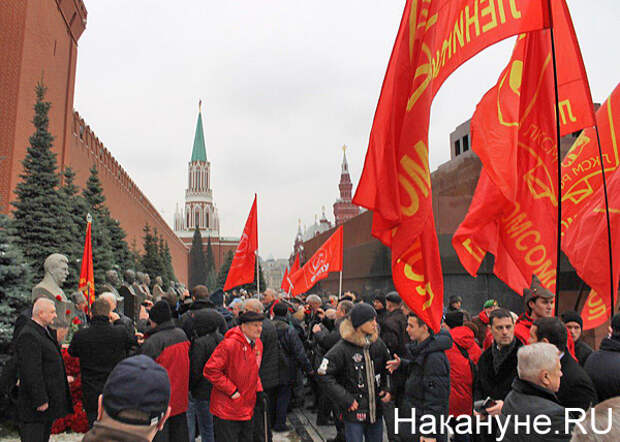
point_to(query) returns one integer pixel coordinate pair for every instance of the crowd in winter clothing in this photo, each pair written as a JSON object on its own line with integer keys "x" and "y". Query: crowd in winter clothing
{"x": 237, "y": 365}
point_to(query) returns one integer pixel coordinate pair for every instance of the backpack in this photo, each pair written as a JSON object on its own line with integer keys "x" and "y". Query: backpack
{"x": 472, "y": 366}
{"x": 284, "y": 363}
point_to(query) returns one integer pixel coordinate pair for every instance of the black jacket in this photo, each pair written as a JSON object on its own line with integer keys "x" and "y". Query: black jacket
{"x": 582, "y": 351}
{"x": 354, "y": 369}
{"x": 492, "y": 383}
{"x": 427, "y": 384}
{"x": 292, "y": 355}
{"x": 99, "y": 347}
{"x": 186, "y": 319}
{"x": 576, "y": 388}
{"x": 393, "y": 331}
{"x": 42, "y": 375}
{"x": 126, "y": 322}
{"x": 206, "y": 338}
{"x": 528, "y": 399}
{"x": 326, "y": 338}
{"x": 269, "y": 371}
{"x": 603, "y": 367}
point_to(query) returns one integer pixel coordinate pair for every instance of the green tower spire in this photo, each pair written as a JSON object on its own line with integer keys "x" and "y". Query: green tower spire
{"x": 199, "y": 152}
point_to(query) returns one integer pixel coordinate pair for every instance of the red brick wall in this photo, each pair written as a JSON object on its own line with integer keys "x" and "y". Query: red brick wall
{"x": 39, "y": 41}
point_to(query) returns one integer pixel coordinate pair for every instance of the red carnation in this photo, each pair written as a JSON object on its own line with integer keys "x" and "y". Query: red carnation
{"x": 76, "y": 320}
{"x": 67, "y": 312}
{"x": 58, "y": 298}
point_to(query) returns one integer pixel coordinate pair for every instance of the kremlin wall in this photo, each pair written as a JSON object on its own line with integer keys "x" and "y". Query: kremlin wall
{"x": 39, "y": 42}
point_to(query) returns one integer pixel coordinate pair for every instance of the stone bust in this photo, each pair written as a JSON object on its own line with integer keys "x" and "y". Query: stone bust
{"x": 130, "y": 277}
{"x": 158, "y": 292}
{"x": 56, "y": 268}
{"x": 112, "y": 282}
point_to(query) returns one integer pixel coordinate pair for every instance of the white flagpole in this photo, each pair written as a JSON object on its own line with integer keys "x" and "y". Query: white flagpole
{"x": 340, "y": 287}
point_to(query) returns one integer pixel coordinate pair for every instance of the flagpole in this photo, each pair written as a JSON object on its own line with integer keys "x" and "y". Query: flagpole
{"x": 257, "y": 276}
{"x": 340, "y": 286}
{"x": 559, "y": 152}
{"x": 611, "y": 266}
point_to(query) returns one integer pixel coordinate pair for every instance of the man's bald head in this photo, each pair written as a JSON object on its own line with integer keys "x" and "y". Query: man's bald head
{"x": 254, "y": 305}
{"x": 110, "y": 299}
{"x": 44, "y": 311}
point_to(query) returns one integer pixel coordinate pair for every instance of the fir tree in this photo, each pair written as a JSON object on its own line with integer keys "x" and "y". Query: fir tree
{"x": 103, "y": 255}
{"x": 15, "y": 283}
{"x": 39, "y": 215}
{"x": 223, "y": 273}
{"x": 75, "y": 224}
{"x": 210, "y": 266}
{"x": 197, "y": 264}
{"x": 152, "y": 262}
{"x": 122, "y": 258}
{"x": 168, "y": 263}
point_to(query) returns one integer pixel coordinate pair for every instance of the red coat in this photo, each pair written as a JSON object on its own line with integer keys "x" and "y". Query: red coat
{"x": 461, "y": 377}
{"x": 232, "y": 367}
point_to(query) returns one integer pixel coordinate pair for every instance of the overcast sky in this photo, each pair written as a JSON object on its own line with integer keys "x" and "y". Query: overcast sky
{"x": 284, "y": 85}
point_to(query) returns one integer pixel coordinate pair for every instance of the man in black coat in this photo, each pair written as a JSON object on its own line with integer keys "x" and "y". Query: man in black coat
{"x": 354, "y": 375}
{"x": 268, "y": 372}
{"x": 291, "y": 358}
{"x": 533, "y": 395}
{"x": 576, "y": 388}
{"x": 43, "y": 391}
{"x": 427, "y": 385}
{"x": 497, "y": 366}
{"x": 206, "y": 338}
{"x": 201, "y": 301}
{"x": 574, "y": 324}
{"x": 603, "y": 365}
{"x": 99, "y": 348}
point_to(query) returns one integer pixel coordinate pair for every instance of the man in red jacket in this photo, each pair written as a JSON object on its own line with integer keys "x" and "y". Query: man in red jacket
{"x": 233, "y": 371}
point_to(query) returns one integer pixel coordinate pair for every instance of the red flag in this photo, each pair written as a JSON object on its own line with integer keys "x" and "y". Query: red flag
{"x": 581, "y": 186}
{"x": 434, "y": 38}
{"x": 595, "y": 311}
{"x": 286, "y": 280}
{"x": 328, "y": 258}
{"x": 515, "y": 138}
{"x": 586, "y": 244}
{"x": 87, "y": 276}
{"x": 284, "y": 285}
{"x": 244, "y": 262}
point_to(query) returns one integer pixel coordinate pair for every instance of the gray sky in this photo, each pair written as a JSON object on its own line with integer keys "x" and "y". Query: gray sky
{"x": 284, "y": 85}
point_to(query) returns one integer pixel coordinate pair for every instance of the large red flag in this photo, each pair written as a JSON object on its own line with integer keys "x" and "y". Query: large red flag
{"x": 87, "y": 275}
{"x": 514, "y": 133}
{"x": 284, "y": 285}
{"x": 243, "y": 265}
{"x": 586, "y": 246}
{"x": 583, "y": 211}
{"x": 286, "y": 280}
{"x": 434, "y": 38}
{"x": 328, "y": 258}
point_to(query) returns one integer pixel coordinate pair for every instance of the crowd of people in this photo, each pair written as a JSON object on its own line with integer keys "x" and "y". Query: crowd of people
{"x": 231, "y": 366}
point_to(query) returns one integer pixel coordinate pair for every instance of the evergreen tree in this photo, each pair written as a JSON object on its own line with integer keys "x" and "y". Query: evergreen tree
{"x": 134, "y": 256}
{"x": 197, "y": 264}
{"x": 223, "y": 273}
{"x": 39, "y": 215}
{"x": 103, "y": 255}
{"x": 15, "y": 283}
{"x": 168, "y": 263}
{"x": 210, "y": 266}
{"x": 122, "y": 259}
{"x": 75, "y": 224}
{"x": 152, "y": 262}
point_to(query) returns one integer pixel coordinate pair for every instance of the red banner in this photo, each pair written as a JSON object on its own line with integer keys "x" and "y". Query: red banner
{"x": 286, "y": 280}
{"x": 434, "y": 38}
{"x": 328, "y": 258}
{"x": 87, "y": 275}
{"x": 581, "y": 192}
{"x": 243, "y": 265}
{"x": 514, "y": 133}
